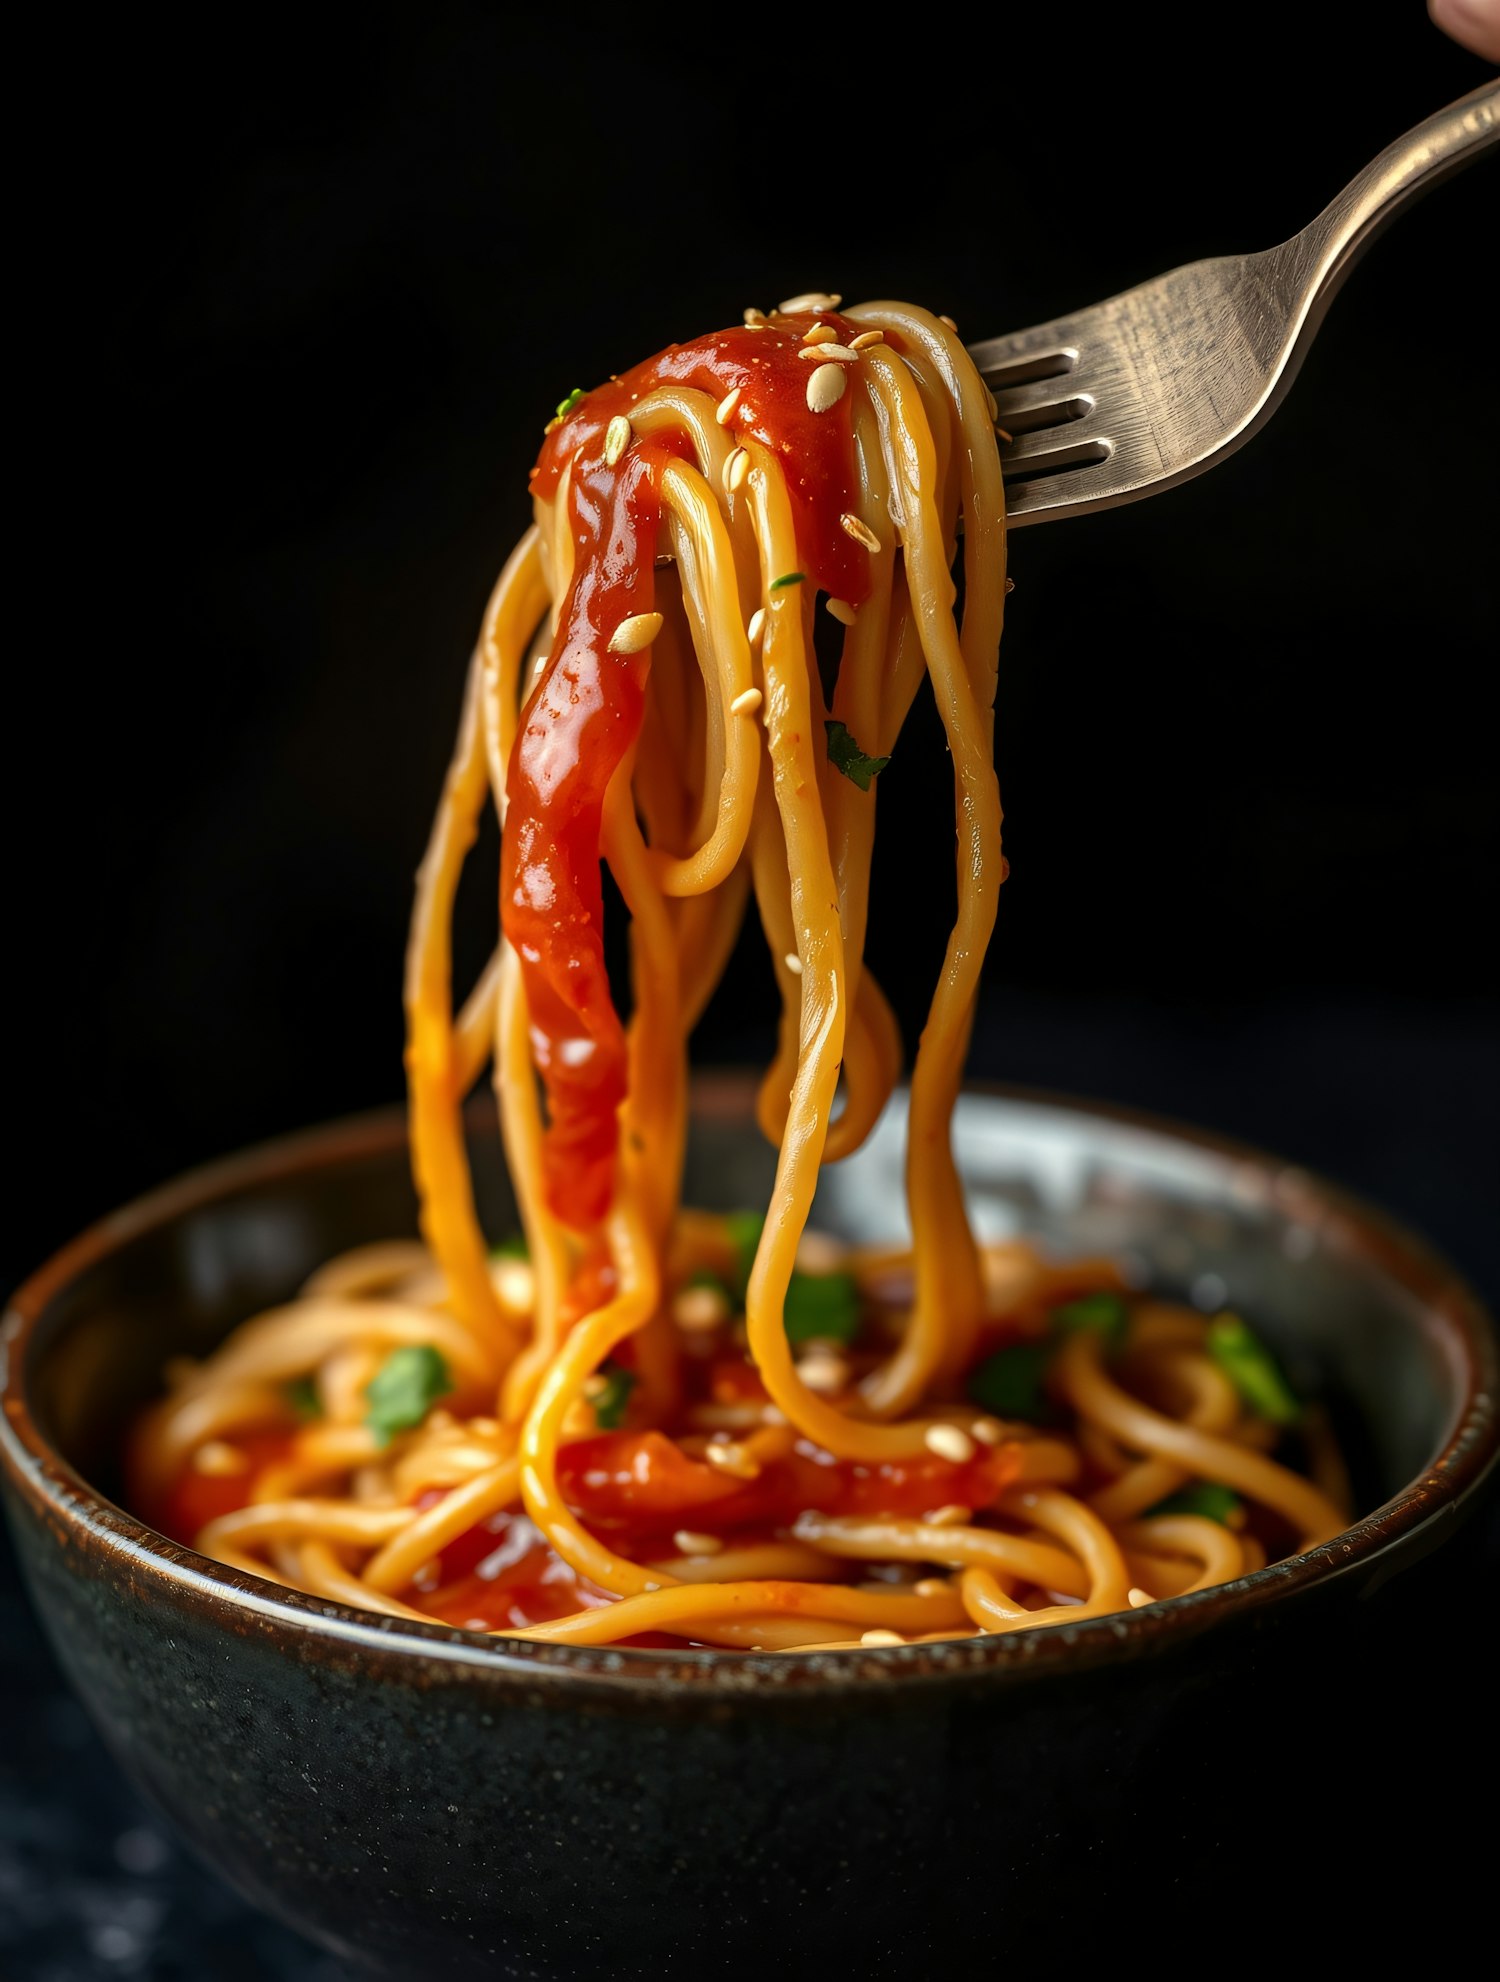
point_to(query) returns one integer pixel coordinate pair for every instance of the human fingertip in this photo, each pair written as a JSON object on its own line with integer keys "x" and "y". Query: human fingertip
{"x": 1473, "y": 24}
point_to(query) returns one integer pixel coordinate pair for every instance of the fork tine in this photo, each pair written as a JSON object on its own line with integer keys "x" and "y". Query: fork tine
{"x": 1030, "y": 456}
{"x": 1047, "y": 402}
{"x": 1041, "y": 404}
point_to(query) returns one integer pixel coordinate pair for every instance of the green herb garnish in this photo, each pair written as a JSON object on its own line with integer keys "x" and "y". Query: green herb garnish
{"x": 565, "y": 406}
{"x": 1216, "y": 1502}
{"x": 302, "y": 1395}
{"x": 845, "y": 755}
{"x": 822, "y": 1307}
{"x": 404, "y": 1389}
{"x": 1106, "y": 1314}
{"x": 609, "y": 1402}
{"x": 1253, "y": 1370}
{"x": 788, "y": 578}
{"x": 512, "y": 1246}
{"x": 1009, "y": 1382}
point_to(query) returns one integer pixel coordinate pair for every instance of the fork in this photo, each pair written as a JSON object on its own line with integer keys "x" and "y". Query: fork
{"x": 1151, "y": 387}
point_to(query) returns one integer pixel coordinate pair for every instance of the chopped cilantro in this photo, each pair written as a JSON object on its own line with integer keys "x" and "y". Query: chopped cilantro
{"x": 565, "y": 406}
{"x": 787, "y": 578}
{"x": 302, "y": 1395}
{"x": 404, "y": 1389}
{"x": 845, "y": 755}
{"x": 512, "y": 1246}
{"x": 1253, "y": 1370}
{"x": 1107, "y": 1314}
{"x": 609, "y": 1402}
{"x": 822, "y": 1307}
{"x": 1206, "y": 1497}
{"x": 1009, "y": 1382}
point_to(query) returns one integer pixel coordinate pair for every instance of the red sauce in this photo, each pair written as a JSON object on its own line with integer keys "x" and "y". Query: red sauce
{"x": 195, "y": 1498}
{"x": 636, "y": 1487}
{"x": 502, "y": 1575}
{"x": 586, "y": 710}
{"x": 640, "y": 1486}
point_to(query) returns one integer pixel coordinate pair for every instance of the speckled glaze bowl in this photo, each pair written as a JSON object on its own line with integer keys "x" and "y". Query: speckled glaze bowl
{"x": 431, "y": 1803}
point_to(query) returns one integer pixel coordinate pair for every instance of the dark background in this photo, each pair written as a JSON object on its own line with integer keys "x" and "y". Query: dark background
{"x": 303, "y": 293}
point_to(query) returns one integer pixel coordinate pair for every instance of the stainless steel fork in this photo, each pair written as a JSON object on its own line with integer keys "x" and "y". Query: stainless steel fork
{"x": 1151, "y": 387}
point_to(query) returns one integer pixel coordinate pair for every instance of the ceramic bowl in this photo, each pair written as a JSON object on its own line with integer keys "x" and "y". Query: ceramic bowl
{"x": 431, "y": 1802}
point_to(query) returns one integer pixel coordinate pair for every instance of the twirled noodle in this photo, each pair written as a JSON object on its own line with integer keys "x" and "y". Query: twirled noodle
{"x": 624, "y": 1435}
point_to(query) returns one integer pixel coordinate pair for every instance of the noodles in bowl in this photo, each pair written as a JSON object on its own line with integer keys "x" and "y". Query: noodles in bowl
{"x": 632, "y": 1422}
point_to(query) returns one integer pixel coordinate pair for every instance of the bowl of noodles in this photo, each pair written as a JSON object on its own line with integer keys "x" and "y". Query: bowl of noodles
{"x": 433, "y": 1798}
{"x": 531, "y": 1537}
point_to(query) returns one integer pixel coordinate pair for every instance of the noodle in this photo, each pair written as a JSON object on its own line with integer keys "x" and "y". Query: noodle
{"x": 646, "y": 1424}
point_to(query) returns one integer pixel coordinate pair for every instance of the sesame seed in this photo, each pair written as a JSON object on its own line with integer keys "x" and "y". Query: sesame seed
{"x": 987, "y": 1431}
{"x": 1139, "y": 1599}
{"x": 930, "y": 1586}
{"x": 1010, "y": 585}
{"x": 635, "y": 633}
{"x": 949, "y": 1442}
{"x": 819, "y": 1345}
{"x": 808, "y": 305}
{"x": 949, "y": 321}
{"x": 755, "y": 319}
{"x": 1003, "y": 435}
{"x": 698, "y": 1309}
{"x": 745, "y": 703}
{"x": 819, "y": 1252}
{"x": 881, "y": 1638}
{"x": 651, "y": 1588}
{"x": 841, "y": 353}
{"x": 827, "y": 1375}
{"x": 825, "y": 388}
{"x": 854, "y": 526}
{"x": 616, "y": 439}
{"x": 842, "y": 611}
{"x": 687, "y": 1541}
{"x": 734, "y": 1460}
{"x": 993, "y": 404}
{"x": 596, "y": 1385}
{"x": 757, "y": 623}
{"x": 736, "y": 468}
{"x": 217, "y": 1459}
{"x": 793, "y": 964}
{"x": 950, "y": 1516}
{"x": 865, "y": 339}
{"x": 724, "y": 411}
{"x": 514, "y": 1283}
{"x": 822, "y": 333}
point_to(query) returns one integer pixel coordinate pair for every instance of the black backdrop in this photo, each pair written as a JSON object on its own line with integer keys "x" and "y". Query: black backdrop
{"x": 310, "y": 296}
{"x": 305, "y": 289}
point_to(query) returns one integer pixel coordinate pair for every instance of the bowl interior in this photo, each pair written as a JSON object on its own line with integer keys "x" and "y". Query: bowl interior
{"x": 1355, "y": 1315}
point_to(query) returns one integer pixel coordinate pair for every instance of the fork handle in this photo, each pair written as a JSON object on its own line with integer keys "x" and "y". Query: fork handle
{"x": 1328, "y": 246}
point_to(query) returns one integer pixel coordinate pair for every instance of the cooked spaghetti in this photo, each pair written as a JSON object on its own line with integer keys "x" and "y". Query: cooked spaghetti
{"x": 637, "y": 1423}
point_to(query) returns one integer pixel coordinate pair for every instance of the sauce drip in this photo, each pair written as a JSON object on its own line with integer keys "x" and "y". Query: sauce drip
{"x": 586, "y": 710}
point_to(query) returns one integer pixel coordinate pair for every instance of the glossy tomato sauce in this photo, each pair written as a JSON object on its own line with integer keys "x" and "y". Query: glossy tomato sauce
{"x": 637, "y": 1488}
{"x": 585, "y": 711}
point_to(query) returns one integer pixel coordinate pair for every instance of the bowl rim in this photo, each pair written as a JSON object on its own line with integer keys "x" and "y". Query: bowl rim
{"x": 32, "y": 1467}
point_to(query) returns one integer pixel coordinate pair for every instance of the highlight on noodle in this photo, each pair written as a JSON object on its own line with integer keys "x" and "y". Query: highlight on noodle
{"x": 634, "y": 1422}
